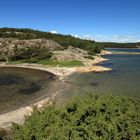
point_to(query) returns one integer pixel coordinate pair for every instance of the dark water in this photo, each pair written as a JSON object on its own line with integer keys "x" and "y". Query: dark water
{"x": 20, "y": 86}
{"x": 123, "y": 80}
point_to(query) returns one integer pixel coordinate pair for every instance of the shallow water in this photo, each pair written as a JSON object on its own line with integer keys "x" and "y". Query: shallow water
{"x": 20, "y": 86}
{"x": 123, "y": 80}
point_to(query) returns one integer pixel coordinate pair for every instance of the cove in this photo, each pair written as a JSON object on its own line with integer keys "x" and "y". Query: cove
{"x": 22, "y": 86}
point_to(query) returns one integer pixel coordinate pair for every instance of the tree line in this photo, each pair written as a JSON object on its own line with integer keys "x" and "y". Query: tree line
{"x": 64, "y": 40}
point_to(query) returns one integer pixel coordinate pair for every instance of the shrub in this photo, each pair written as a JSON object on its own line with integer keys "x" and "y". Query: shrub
{"x": 90, "y": 118}
{"x": 89, "y": 57}
{"x": 28, "y": 54}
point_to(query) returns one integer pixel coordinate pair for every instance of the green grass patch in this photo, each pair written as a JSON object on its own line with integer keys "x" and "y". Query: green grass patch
{"x": 61, "y": 63}
{"x": 49, "y": 62}
{"x": 15, "y": 62}
{"x": 88, "y": 118}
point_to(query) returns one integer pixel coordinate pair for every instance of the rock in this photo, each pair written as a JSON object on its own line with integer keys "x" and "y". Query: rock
{"x": 13, "y": 47}
{"x": 104, "y": 52}
{"x": 70, "y": 54}
{"x": 92, "y": 69}
{"x": 10, "y": 43}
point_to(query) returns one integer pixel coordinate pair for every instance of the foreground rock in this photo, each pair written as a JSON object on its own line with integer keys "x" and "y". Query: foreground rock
{"x": 18, "y": 115}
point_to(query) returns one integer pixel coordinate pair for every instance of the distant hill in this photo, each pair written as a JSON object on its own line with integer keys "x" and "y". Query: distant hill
{"x": 119, "y": 45}
{"x": 64, "y": 40}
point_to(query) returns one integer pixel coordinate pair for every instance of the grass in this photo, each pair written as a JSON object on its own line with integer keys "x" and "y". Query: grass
{"x": 74, "y": 63}
{"x": 61, "y": 63}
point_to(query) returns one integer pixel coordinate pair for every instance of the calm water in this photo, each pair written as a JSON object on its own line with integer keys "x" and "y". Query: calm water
{"x": 20, "y": 86}
{"x": 123, "y": 50}
{"x": 123, "y": 80}
{"x": 23, "y": 86}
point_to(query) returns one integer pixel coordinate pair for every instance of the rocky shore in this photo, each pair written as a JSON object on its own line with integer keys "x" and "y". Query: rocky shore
{"x": 18, "y": 115}
{"x": 61, "y": 72}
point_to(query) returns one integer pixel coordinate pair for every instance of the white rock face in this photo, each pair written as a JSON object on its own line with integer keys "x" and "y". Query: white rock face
{"x": 13, "y": 47}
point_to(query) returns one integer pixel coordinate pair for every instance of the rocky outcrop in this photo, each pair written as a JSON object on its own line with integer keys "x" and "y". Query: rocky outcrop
{"x": 96, "y": 69}
{"x": 71, "y": 53}
{"x": 11, "y": 43}
{"x": 10, "y": 47}
{"x": 105, "y": 52}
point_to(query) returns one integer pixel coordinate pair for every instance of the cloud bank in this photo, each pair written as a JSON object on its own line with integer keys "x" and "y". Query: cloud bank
{"x": 114, "y": 38}
{"x": 121, "y": 38}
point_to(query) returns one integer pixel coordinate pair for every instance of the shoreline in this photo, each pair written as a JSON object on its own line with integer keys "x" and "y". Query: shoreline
{"x": 61, "y": 73}
{"x": 18, "y": 115}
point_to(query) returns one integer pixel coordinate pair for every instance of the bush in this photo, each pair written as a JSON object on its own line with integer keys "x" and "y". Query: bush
{"x": 29, "y": 54}
{"x": 94, "y": 49}
{"x": 89, "y": 57}
{"x": 97, "y": 49}
{"x": 90, "y": 118}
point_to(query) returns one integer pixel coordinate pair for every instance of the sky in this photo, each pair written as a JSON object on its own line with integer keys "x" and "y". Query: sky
{"x": 100, "y": 20}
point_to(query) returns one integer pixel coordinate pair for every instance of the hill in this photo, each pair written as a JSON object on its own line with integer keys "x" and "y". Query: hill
{"x": 64, "y": 40}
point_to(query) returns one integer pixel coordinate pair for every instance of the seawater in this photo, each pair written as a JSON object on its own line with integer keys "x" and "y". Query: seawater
{"x": 124, "y": 79}
{"x": 21, "y": 86}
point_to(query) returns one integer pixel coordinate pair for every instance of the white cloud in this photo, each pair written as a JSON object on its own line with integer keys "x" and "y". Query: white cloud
{"x": 53, "y": 32}
{"x": 76, "y": 36}
{"x": 124, "y": 38}
{"x": 114, "y": 38}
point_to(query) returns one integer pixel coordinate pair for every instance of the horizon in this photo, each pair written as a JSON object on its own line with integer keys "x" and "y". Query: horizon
{"x": 102, "y": 21}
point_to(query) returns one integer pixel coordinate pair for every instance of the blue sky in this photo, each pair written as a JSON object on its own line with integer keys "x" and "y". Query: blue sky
{"x": 102, "y": 20}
